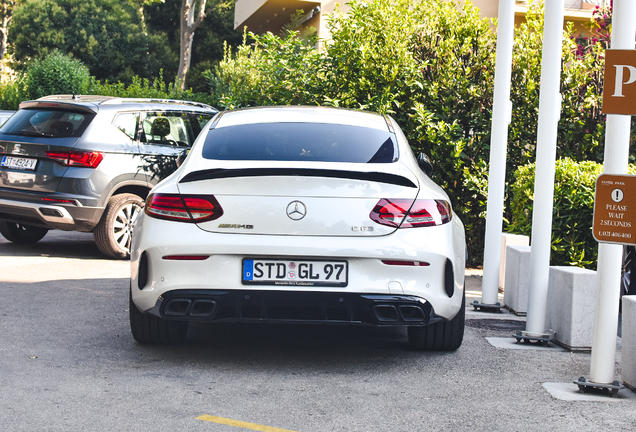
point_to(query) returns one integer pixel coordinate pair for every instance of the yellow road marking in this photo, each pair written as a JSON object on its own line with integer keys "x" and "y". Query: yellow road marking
{"x": 241, "y": 424}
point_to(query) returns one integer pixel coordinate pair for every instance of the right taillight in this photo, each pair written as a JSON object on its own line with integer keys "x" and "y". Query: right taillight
{"x": 406, "y": 213}
{"x": 183, "y": 208}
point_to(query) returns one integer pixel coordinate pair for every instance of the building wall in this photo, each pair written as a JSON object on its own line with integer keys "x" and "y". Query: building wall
{"x": 259, "y": 14}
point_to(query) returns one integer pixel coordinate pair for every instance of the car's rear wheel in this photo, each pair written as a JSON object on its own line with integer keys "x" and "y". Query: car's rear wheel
{"x": 628, "y": 271}
{"x": 113, "y": 233}
{"x": 150, "y": 329}
{"x": 441, "y": 336}
{"x": 22, "y": 234}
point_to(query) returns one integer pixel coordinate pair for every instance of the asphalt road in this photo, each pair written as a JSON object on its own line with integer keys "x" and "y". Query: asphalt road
{"x": 69, "y": 363}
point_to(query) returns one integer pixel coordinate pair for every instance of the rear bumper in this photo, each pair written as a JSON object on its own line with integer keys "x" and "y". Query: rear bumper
{"x": 153, "y": 277}
{"x": 294, "y": 306}
{"x": 78, "y": 218}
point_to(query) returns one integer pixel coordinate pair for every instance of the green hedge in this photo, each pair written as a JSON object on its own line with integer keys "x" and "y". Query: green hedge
{"x": 574, "y": 186}
{"x": 145, "y": 88}
{"x": 59, "y": 74}
{"x": 56, "y": 74}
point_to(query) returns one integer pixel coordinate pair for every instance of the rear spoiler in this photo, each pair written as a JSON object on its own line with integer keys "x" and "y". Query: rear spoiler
{"x": 220, "y": 173}
{"x": 74, "y": 107}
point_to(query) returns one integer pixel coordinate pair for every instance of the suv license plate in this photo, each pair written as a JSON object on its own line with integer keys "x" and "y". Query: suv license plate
{"x": 295, "y": 272}
{"x": 18, "y": 163}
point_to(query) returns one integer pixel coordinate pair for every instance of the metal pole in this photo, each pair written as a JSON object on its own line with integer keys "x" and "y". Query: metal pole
{"x": 549, "y": 114}
{"x": 501, "y": 113}
{"x": 610, "y": 256}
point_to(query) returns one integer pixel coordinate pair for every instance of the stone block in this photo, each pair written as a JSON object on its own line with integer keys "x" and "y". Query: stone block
{"x": 517, "y": 279}
{"x": 570, "y": 308}
{"x": 509, "y": 240}
{"x": 628, "y": 342}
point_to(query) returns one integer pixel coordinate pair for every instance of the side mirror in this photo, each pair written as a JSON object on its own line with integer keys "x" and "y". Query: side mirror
{"x": 182, "y": 157}
{"x": 425, "y": 163}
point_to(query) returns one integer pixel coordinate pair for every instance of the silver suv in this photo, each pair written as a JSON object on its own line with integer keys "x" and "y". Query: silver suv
{"x": 87, "y": 164}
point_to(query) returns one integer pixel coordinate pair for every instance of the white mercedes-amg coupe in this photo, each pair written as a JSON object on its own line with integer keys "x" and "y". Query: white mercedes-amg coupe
{"x": 303, "y": 215}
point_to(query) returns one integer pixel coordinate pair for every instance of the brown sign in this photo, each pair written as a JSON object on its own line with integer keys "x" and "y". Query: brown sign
{"x": 615, "y": 209}
{"x": 619, "y": 92}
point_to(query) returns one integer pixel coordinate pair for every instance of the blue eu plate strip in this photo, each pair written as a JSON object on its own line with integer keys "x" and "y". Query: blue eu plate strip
{"x": 248, "y": 270}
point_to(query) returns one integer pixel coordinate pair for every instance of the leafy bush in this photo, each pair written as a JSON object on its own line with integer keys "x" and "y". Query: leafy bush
{"x": 271, "y": 70}
{"x": 581, "y": 127}
{"x": 575, "y": 183}
{"x": 427, "y": 63}
{"x": 12, "y": 93}
{"x": 56, "y": 74}
{"x": 145, "y": 88}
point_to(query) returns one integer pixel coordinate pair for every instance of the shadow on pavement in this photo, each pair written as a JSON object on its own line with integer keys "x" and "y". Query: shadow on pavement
{"x": 58, "y": 244}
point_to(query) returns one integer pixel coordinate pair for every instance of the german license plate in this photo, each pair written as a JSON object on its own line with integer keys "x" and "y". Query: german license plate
{"x": 295, "y": 272}
{"x": 18, "y": 162}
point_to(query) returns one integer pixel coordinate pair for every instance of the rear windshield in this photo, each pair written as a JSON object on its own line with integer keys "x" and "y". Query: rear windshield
{"x": 47, "y": 123}
{"x": 312, "y": 142}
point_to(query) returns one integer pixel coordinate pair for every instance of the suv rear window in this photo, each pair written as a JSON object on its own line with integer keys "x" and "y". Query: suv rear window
{"x": 47, "y": 123}
{"x": 312, "y": 142}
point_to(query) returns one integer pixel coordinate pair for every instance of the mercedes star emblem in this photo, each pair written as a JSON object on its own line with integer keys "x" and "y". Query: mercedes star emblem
{"x": 296, "y": 210}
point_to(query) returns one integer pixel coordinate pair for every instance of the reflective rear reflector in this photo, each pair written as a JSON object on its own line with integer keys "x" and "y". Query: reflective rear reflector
{"x": 406, "y": 213}
{"x": 61, "y": 201}
{"x": 186, "y": 257}
{"x": 406, "y": 263}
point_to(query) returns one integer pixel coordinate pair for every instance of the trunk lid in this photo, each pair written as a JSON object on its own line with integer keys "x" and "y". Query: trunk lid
{"x": 25, "y": 165}
{"x": 307, "y": 200}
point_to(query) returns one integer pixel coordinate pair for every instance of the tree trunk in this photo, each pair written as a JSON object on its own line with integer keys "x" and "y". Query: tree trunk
{"x": 188, "y": 25}
{"x": 6, "y": 13}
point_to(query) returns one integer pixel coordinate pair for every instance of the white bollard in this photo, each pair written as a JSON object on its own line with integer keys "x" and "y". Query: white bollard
{"x": 501, "y": 114}
{"x": 617, "y": 137}
{"x": 549, "y": 114}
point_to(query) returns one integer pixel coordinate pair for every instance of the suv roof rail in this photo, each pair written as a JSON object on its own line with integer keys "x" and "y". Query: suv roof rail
{"x": 117, "y": 100}
{"x": 113, "y": 100}
{"x": 74, "y": 97}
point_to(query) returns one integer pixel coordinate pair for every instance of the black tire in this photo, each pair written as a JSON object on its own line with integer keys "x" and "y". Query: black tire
{"x": 628, "y": 271}
{"x": 22, "y": 234}
{"x": 149, "y": 329}
{"x": 441, "y": 336}
{"x": 113, "y": 233}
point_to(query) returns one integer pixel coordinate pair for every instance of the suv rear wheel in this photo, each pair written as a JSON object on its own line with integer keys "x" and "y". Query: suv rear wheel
{"x": 114, "y": 231}
{"x": 21, "y": 234}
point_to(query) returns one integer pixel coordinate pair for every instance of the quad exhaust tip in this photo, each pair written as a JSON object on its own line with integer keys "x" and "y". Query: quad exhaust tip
{"x": 392, "y": 313}
{"x": 199, "y": 308}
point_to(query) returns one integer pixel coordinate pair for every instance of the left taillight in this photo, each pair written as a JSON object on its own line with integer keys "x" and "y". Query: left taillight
{"x": 183, "y": 208}
{"x": 77, "y": 159}
{"x": 406, "y": 213}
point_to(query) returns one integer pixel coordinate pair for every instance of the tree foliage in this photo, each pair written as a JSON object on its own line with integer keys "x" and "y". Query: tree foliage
{"x": 56, "y": 74}
{"x": 106, "y": 35}
{"x": 6, "y": 15}
{"x": 207, "y": 50}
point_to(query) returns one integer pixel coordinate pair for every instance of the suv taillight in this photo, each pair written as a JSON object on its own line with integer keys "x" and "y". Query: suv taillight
{"x": 183, "y": 208}
{"x": 406, "y": 213}
{"x": 78, "y": 159}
